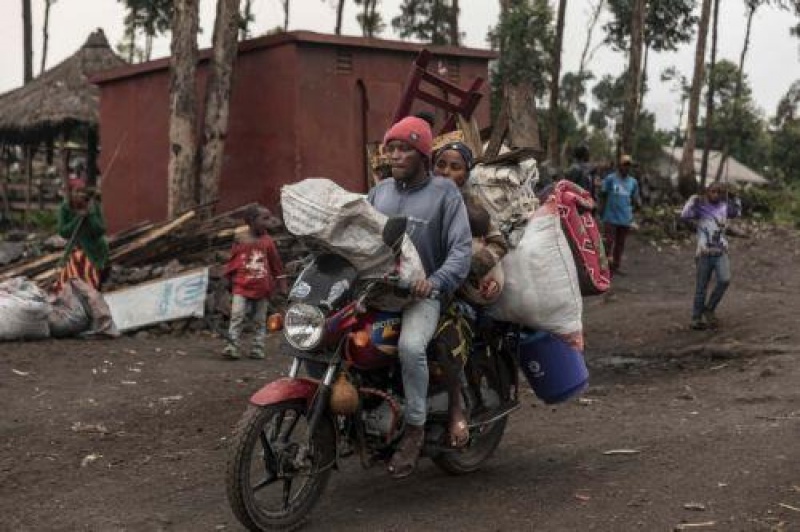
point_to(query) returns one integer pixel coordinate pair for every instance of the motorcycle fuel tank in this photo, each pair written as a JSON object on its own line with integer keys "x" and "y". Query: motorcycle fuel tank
{"x": 373, "y": 343}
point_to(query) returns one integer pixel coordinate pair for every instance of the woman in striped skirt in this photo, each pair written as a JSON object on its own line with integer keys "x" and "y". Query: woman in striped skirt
{"x": 80, "y": 221}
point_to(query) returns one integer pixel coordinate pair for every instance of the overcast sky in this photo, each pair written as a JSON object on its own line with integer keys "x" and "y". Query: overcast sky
{"x": 772, "y": 65}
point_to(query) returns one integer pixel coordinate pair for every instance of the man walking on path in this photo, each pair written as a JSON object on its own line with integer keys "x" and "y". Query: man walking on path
{"x": 619, "y": 195}
{"x": 710, "y": 214}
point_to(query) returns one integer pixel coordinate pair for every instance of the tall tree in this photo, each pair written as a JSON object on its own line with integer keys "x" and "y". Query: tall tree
{"x": 455, "y": 12}
{"x": 752, "y": 7}
{"x": 786, "y": 135}
{"x": 217, "y": 101}
{"x": 27, "y": 41}
{"x": 524, "y": 36}
{"x": 370, "y": 19}
{"x": 710, "y": 99}
{"x": 632, "y": 91}
{"x": 686, "y": 176}
{"x": 588, "y": 51}
{"x": 427, "y": 20}
{"x": 245, "y": 19}
{"x": 150, "y": 17}
{"x": 553, "y": 146}
{"x": 339, "y": 12}
{"x": 285, "y": 14}
{"x": 667, "y": 25}
{"x": 45, "y": 32}
{"x": 182, "y": 107}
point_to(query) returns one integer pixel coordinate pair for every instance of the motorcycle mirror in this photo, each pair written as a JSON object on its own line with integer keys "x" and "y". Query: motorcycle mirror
{"x": 393, "y": 232}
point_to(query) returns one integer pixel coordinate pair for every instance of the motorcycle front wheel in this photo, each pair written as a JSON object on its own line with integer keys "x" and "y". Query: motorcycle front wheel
{"x": 275, "y": 474}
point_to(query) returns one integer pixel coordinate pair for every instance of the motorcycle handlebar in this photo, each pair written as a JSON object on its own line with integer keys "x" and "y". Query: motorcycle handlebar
{"x": 402, "y": 284}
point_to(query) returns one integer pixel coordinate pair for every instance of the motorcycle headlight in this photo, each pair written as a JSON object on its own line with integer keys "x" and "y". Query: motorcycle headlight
{"x": 304, "y": 326}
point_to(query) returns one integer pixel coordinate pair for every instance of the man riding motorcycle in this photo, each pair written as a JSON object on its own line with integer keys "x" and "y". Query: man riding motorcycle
{"x": 439, "y": 228}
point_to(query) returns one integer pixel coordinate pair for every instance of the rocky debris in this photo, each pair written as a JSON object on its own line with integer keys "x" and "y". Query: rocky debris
{"x": 11, "y": 251}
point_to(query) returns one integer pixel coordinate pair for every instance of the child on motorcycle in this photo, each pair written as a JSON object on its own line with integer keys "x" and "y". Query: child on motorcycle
{"x": 254, "y": 271}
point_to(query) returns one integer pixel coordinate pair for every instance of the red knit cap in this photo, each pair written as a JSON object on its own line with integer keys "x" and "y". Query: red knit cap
{"x": 414, "y": 131}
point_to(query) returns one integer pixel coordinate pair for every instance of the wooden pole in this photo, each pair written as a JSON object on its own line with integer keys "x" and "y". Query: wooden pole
{"x": 28, "y": 183}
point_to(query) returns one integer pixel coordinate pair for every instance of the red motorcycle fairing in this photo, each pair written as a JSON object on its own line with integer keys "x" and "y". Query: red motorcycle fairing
{"x": 285, "y": 389}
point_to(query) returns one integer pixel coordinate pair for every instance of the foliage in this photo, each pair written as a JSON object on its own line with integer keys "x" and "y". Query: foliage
{"x": 44, "y": 220}
{"x": 609, "y": 95}
{"x": 426, "y": 20}
{"x": 779, "y": 205}
{"x": 573, "y": 91}
{"x": 151, "y": 18}
{"x": 737, "y": 125}
{"x": 785, "y": 154}
{"x": 667, "y": 25}
{"x": 370, "y": 18}
{"x": 524, "y": 37}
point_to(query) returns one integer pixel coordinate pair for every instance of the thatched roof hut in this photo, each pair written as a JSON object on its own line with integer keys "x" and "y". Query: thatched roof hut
{"x": 60, "y": 98}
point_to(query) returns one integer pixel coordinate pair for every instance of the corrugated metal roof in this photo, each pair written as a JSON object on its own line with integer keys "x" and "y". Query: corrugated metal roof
{"x": 732, "y": 172}
{"x": 301, "y": 38}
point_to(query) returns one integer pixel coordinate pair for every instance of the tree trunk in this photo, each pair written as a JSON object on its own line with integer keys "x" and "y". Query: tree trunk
{"x": 737, "y": 94}
{"x": 686, "y": 181}
{"x": 710, "y": 99}
{"x": 634, "y": 69}
{"x": 435, "y": 22}
{"x": 455, "y": 37}
{"x": 523, "y": 126}
{"x": 640, "y": 91}
{"x": 244, "y": 31}
{"x": 552, "y": 137}
{"x": 148, "y": 47}
{"x": 217, "y": 102}
{"x": 45, "y": 34}
{"x": 339, "y": 13}
{"x": 27, "y": 41}
{"x": 285, "y": 15}
{"x": 586, "y": 55}
{"x": 182, "y": 107}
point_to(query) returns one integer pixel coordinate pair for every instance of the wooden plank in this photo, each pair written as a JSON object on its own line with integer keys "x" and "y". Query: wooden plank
{"x": 22, "y": 206}
{"x": 152, "y": 236}
{"x": 498, "y": 133}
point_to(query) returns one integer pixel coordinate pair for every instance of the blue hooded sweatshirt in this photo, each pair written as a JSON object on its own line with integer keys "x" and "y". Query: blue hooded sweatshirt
{"x": 437, "y": 225}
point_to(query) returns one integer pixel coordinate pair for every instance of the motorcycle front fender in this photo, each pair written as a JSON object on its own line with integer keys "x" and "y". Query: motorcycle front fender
{"x": 285, "y": 389}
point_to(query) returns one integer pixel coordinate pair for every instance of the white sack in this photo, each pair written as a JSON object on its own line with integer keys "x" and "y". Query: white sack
{"x": 67, "y": 316}
{"x": 346, "y": 224}
{"x": 506, "y": 191}
{"x": 23, "y": 310}
{"x": 541, "y": 283}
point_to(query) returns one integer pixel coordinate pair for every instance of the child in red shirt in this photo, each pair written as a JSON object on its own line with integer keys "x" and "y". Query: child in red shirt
{"x": 254, "y": 270}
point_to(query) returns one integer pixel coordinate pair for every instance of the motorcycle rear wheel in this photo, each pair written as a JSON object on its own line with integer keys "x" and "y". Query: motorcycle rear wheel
{"x": 480, "y": 449}
{"x": 263, "y": 459}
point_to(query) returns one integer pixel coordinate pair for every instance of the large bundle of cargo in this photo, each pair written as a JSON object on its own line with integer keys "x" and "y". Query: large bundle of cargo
{"x": 346, "y": 224}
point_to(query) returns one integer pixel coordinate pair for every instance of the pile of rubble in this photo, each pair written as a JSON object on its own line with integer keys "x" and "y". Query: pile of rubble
{"x": 156, "y": 251}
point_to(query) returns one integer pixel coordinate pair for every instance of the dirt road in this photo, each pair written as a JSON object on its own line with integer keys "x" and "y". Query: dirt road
{"x": 131, "y": 434}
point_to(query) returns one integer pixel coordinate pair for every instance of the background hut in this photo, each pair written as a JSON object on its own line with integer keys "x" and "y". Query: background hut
{"x": 60, "y": 104}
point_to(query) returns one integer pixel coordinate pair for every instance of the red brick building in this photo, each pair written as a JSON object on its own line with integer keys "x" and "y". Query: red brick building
{"x": 303, "y": 105}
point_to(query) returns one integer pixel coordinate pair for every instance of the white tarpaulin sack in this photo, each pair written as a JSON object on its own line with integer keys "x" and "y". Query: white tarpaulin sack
{"x": 506, "y": 191}
{"x": 23, "y": 310}
{"x": 346, "y": 224}
{"x": 541, "y": 282}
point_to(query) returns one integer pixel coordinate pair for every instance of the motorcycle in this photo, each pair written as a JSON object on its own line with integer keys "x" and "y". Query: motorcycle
{"x": 298, "y": 429}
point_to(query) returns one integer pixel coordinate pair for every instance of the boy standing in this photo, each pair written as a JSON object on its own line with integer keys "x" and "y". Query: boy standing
{"x": 618, "y": 196}
{"x": 710, "y": 213}
{"x": 254, "y": 270}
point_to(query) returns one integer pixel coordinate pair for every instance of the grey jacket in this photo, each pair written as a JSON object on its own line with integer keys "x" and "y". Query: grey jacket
{"x": 437, "y": 225}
